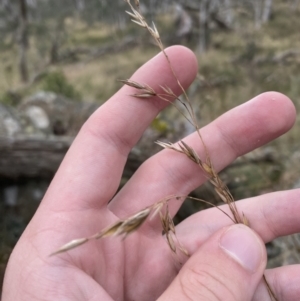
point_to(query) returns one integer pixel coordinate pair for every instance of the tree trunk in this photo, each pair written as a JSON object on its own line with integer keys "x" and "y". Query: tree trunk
{"x": 23, "y": 41}
{"x": 183, "y": 23}
{"x": 257, "y": 13}
{"x": 229, "y": 12}
{"x": 267, "y": 11}
{"x": 40, "y": 157}
{"x": 203, "y": 21}
{"x": 59, "y": 32}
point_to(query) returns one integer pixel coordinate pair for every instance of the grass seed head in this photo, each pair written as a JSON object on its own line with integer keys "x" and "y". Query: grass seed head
{"x": 70, "y": 245}
{"x": 110, "y": 231}
{"x": 133, "y": 223}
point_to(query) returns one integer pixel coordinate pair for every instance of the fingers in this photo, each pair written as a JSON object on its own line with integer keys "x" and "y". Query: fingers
{"x": 235, "y": 133}
{"x": 271, "y": 216}
{"x": 284, "y": 282}
{"x": 90, "y": 173}
{"x": 228, "y": 266}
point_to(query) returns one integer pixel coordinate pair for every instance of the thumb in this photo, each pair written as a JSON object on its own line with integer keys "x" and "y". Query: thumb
{"x": 228, "y": 266}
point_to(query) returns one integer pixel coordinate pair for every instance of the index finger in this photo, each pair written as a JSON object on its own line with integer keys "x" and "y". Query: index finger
{"x": 91, "y": 171}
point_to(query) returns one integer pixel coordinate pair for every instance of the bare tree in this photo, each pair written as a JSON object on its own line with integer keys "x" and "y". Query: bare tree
{"x": 262, "y": 12}
{"x": 23, "y": 40}
{"x": 184, "y": 22}
{"x": 267, "y": 11}
{"x": 228, "y": 12}
{"x": 257, "y": 7}
{"x": 203, "y": 20}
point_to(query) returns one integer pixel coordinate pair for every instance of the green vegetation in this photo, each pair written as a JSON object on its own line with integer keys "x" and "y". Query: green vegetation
{"x": 57, "y": 82}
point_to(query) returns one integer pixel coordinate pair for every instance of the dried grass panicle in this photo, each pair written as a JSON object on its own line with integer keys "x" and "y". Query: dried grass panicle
{"x": 70, "y": 245}
{"x": 145, "y": 90}
{"x": 169, "y": 92}
{"x": 169, "y": 229}
{"x": 206, "y": 165}
{"x": 119, "y": 228}
{"x": 219, "y": 186}
{"x": 133, "y": 223}
{"x": 141, "y": 21}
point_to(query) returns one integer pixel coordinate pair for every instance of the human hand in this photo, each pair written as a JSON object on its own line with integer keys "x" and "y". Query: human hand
{"x": 141, "y": 267}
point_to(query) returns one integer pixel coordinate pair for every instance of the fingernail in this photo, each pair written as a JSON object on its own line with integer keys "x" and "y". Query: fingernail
{"x": 242, "y": 245}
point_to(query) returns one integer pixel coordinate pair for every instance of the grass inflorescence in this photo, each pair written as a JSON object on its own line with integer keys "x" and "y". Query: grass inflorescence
{"x": 126, "y": 226}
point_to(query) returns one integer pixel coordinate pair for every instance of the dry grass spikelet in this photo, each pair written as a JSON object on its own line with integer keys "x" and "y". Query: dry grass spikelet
{"x": 126, "y": 226}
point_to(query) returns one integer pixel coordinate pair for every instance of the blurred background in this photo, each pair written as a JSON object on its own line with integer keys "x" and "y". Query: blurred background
{"x": 60, "y": 60}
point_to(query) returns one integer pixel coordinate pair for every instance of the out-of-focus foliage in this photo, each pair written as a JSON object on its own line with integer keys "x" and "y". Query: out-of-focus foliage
{"x": 57, "y": 82}
{"x": 74, "y": 31}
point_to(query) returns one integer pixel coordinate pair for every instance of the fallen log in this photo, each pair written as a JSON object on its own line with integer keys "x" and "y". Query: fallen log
{"x": 24, "y": 156}
{"x": 31, "y": 157}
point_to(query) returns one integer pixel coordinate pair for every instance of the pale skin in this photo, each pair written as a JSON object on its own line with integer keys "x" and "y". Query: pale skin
{"x": 80, "y": 201}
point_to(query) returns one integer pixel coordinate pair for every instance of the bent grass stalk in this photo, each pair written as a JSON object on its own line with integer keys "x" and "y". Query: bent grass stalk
{"x": 126, "y": 226}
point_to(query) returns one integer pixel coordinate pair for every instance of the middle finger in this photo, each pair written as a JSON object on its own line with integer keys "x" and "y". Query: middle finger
{"x": 235, "y": 133}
